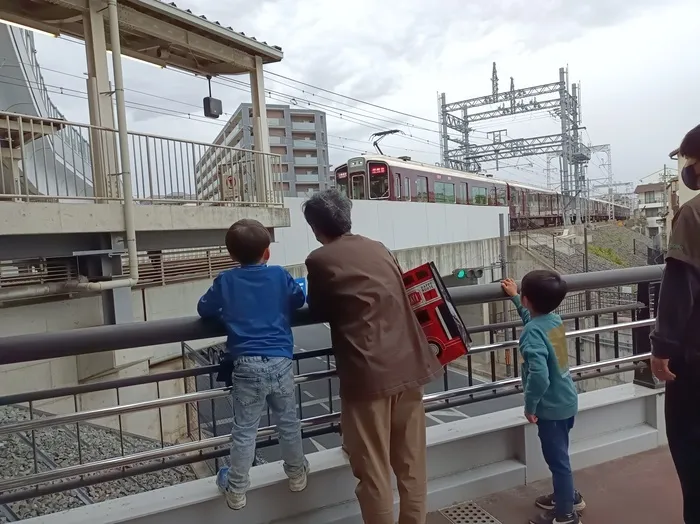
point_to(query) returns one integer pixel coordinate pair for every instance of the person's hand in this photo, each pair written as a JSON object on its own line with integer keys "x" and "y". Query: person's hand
{"x": 509, "y": 287}
{"x": 659, "y": 367}
{"x": 532, "y": 419}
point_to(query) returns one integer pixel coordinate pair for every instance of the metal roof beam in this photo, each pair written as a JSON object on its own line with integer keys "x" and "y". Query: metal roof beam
{"x": 518, "y": 109}
{"x": 505, "y": 96}
{"x": 196, "y": 44}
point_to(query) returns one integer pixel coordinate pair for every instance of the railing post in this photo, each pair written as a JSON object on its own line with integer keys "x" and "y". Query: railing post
{"x": 640, "y": 336}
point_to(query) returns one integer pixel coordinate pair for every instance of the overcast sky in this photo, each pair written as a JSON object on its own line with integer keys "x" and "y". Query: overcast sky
{"x": 635, "y": 61}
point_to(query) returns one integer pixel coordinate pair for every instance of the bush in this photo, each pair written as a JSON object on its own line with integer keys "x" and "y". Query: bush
{"x": 607, "y": 254}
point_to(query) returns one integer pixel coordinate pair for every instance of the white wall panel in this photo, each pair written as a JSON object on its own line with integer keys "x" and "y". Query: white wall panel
{"x": 399, "y": 225}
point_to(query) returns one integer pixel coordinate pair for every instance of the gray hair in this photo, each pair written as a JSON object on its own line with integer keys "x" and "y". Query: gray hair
{"x": 329, "y": 213}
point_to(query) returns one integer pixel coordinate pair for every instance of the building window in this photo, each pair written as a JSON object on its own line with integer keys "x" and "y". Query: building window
{"x": 649, "y": 197}
{"x": 444, "y": 193}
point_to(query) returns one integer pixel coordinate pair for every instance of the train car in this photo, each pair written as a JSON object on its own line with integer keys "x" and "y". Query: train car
{"x": 381, "y": 177}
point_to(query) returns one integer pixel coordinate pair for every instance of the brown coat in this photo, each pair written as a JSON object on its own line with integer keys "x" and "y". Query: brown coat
{"x": 380, "y": 349}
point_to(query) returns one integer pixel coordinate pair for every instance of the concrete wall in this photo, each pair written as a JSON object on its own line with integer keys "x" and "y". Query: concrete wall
{"x": 399, "y": 225}
{"x": 467, "y": 459}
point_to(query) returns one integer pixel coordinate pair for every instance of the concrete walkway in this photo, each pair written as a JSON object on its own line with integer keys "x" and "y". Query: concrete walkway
{"x": 640, "y": 489}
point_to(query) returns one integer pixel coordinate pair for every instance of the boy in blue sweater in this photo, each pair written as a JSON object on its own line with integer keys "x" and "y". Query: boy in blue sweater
{"x": 255, "y": 302}
{"x": 551, "y": 400}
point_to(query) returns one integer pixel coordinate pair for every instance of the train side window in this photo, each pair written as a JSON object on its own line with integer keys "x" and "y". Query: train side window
{"x": 462, "y": 195}
{"x": 444, "y": 193}
{"x": 422, "y": 189}
{"x": 406, "y": 189}
{"x": 479, "y": 196}
{"x": 501, "y": 196}
{"x": 397, "y": 186}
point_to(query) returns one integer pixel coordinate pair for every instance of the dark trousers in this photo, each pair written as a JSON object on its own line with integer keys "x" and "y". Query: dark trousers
{"x": 683, "y": 431}
{"x": 554, "y": 438}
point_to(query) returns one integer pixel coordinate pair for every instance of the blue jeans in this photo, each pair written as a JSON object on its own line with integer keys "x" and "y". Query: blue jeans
{"x": 554, "y": 438}
{"x": 257, "y": 381}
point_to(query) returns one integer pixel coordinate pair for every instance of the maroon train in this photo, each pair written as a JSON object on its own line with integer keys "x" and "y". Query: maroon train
{"x": 377, "y": 177}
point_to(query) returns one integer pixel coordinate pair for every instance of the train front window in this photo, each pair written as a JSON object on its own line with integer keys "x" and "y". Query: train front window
{"x": 358, "y": 187}
{"x": 378, "y": 181}
{"x": 341, "y": 181}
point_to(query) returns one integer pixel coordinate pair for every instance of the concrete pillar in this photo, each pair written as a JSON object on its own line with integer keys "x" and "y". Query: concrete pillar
{"x": 262, "y": 162}
{"x": 102, "y": 143}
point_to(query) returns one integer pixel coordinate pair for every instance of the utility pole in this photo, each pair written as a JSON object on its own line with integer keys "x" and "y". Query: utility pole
{"x": 554, "y": 98}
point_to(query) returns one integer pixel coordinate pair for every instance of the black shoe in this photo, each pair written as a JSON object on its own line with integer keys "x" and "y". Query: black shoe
{"x": 550, "y": 517}
{"x": 547, "y": 502}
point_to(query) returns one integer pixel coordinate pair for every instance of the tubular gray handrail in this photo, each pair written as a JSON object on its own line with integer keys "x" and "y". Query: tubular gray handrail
{"x": 41, "y": 346}
{"x": 71, "y": 418}
{"x": 206, "y": 369}
{"x": 508, "y": 344}
{"x": 322, "y": 420}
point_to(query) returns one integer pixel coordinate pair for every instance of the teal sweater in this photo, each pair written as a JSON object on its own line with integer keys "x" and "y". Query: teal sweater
{"x": 550, "y": 393}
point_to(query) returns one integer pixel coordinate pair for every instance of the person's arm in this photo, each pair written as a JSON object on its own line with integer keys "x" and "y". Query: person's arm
{"x": 534, "y": 351}
{"x": 522, "y": 311}
{"x": 209, "y": 306}
{"x": 680, "y": 287}
{"x": 510, "y": 288}
{"x": 296, "y": 294}
{"x": 315, "y": 289}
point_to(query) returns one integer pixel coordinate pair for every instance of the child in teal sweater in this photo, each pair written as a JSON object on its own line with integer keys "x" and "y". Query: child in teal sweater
{"x": 551, "y": 400}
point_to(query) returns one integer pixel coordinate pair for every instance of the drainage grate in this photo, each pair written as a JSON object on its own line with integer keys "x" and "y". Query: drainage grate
{"x": 468, "y": 513}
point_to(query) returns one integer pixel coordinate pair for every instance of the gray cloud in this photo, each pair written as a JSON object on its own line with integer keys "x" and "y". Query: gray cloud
{"x": 393, "y": 56}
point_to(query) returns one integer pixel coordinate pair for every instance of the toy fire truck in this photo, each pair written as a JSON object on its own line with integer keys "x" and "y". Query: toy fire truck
{"x": 446, "y": 333}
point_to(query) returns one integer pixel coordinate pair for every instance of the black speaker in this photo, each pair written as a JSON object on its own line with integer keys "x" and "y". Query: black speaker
{"x": 212, "y": 107}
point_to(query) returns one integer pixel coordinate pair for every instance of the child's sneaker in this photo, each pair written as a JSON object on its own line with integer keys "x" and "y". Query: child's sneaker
{"x": 550, "y": 517}
{"x": 233, "y": 500}
{"x": 299, "y": 482}
{"x": 547, "y": 502}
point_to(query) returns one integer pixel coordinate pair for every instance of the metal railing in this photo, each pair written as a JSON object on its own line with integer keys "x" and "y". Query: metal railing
{"x": 181, "y": 453}
{"x": 156, "y": 268}
{"x": 204, "y": 432}
{"x": 40, "y": 346}
{"x": 163, "y": 170}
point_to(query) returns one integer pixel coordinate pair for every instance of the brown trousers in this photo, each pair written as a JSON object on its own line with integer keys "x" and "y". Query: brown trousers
{"x": 384, "y": 435}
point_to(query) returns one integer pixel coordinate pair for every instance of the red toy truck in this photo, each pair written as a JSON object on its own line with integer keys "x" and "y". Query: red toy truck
{"x": 446, "y": 333}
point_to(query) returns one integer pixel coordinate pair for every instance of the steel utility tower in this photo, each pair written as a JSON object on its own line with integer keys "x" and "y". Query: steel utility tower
{"x": 559, "y": 100}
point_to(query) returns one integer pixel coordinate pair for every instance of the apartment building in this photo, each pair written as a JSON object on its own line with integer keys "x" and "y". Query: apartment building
{"x": 299, "y": 135}
{"x": 652, "y": 207}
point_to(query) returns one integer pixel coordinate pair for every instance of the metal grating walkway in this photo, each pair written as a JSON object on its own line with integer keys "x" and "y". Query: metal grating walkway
{"x": 468, "y": 513}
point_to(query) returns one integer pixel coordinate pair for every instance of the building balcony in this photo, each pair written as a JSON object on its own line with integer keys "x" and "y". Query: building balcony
{"x": 276, "y": 122}
{"x": 305, "y": 144}
{"x": 277, "y": 140}
{"x": 306, "y": 179}
{"x": 305, "y": 161}
{"x": 303, "y": 126}
{"x": 475, "y": 406}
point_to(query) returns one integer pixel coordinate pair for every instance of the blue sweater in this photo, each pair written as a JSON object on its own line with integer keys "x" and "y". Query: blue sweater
{"x": 255, "y": 303}
{"x": 550, "y": 393}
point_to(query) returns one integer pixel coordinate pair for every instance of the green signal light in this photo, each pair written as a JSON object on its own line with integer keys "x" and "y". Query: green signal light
{"x": 461, "y": 273}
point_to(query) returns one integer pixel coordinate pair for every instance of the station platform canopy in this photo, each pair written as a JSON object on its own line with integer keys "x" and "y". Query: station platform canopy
{"x": 153, "y": 31}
